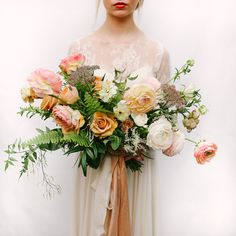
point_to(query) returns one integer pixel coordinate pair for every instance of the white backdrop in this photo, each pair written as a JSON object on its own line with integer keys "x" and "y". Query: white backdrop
{"x": 193, "y": 200}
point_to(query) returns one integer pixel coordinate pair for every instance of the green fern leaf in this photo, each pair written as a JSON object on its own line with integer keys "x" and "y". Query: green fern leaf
{"x": 51, "y": 136}
{"x": 81, "y": 139}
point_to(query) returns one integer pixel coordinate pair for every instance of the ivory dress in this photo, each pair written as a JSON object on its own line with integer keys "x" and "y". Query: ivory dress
{"x": 143, "y": 57}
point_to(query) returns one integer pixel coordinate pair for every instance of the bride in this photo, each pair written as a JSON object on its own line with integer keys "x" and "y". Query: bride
{"x": 120, "y": 44}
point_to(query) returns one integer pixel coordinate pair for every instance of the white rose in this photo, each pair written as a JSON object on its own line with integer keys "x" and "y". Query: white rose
{"x": 160, "y": 134}
{"x": 177, "y": 144}
{"x": 140, "y": 119}
{"x": 121, "y": 111}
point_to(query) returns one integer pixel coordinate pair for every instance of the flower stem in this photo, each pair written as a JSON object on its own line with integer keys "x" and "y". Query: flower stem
{"x": 192, "y": 141}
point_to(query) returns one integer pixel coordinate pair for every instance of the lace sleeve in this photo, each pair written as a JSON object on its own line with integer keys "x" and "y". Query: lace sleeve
{"x": 162, "y": 65}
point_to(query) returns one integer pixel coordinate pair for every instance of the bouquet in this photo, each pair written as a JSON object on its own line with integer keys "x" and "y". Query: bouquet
{"x": 100, "y": 115}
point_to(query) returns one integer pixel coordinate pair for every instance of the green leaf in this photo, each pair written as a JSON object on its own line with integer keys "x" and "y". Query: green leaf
{"x": 84, "y": 163}
{"x": 115, "y": 142}
{"x": 90, "y": 153}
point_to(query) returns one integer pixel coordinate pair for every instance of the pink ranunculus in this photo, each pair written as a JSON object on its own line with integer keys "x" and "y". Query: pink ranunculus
{"x": 68, "y": 119}
{"x": 204, "y": 152}
{"x": 71, "y": 63}
{"x": 177, "y": 144}
{"x": 69, "y": 94}
{"x": 44, "y": 82}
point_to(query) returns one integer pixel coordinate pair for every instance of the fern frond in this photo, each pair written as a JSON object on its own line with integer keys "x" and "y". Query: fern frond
{"x": 81, "y": 139}
{"x": 51, "y": 136}
{"x": 93, "y": 105}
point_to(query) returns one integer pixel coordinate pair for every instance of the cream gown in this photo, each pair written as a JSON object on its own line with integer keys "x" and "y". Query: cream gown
{"x": 144, "y": 57}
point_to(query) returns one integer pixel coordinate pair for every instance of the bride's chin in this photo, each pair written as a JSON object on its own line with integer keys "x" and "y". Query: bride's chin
{"x": 120, "y": 14}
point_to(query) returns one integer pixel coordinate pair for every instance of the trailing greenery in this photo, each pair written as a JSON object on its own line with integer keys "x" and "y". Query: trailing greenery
{"x": 31, "y": 111}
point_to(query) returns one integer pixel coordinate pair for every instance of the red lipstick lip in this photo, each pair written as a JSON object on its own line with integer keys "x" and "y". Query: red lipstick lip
{"x": 120, "y": 3}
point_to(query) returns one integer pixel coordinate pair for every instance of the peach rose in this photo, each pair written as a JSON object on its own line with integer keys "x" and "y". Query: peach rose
{"x": 177, "y": 144}
{"x": 140, "y": 98}
{"x": 48, "y": 103}
{"x": 204, "y": 152}
{"x": 68, "y": 119}
{"x": 103, "y": 124}
{"x": 71, "y": 63}
{"x": 44, "y": 81}
{"x": 28, "y": 94}
{"x": 126, "y": 125}
{"x": 69, "y": 94}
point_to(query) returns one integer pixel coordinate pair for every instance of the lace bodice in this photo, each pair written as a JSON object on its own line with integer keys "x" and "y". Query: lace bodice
{"x": 140, "y": 56}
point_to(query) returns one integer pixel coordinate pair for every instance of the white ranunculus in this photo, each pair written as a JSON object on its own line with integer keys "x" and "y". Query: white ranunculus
{"x": 121, "y": 111}
{"x": 177, "y": 144}
{"x": 160, "y": 136}
{"x": 140, "y": 119}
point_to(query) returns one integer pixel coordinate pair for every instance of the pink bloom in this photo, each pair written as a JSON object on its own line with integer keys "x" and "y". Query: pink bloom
{"x": 204, "y": 152}
{"x": 177, "y": 144}
{"x": 71, "y": 63}
{"x": 69, "y": 94}
{"x": 44, "y": 81}
{"x": 68, "y": 119}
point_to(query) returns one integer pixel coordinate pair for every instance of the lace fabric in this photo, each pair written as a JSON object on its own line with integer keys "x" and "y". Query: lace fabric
{"x": 128, "y": 55}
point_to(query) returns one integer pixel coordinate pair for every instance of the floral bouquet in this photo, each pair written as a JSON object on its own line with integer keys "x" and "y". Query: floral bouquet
{"x": 99, "y": 115}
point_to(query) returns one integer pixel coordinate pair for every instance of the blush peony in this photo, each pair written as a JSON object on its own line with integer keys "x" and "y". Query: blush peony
{"x": 177, "y": 144}
{"x": 44, "y": 82}
{"x": 72, "y": 63}
{"x": 70, "y": 120}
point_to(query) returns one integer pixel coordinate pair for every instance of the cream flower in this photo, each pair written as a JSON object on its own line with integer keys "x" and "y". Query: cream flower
{"x": 121, "y": 111}
{"x": 108, "y": 90}
{"x": 28, "y": 94}
{"x": 140, "y": 119}
{"x": 160, "y": 136}
{"x": 188, "y": 92}
{"x": 140, "y": 98}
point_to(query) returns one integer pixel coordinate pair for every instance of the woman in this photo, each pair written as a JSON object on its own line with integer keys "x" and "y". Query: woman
{"x": 120, "y": 44}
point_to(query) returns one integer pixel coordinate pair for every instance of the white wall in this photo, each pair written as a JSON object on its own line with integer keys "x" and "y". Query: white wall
{"x": 193, "y": 200}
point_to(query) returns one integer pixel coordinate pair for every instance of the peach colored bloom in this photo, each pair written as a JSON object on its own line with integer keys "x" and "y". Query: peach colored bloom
{"x": 126, "y": 125}
{"x": 71, "y": 63}
{"x": 177, "y": 144}
{"x": 44, "y": 81}
{"x": 204, "y": 152}
{"x": 28, "y": 94}
{"x": 69, "y": 94}
{"x": 48, "y": 103}
{"x": 97, "y": 83}
{"x": 70, "y": 120}
{"x": 103, "y": 124}
{"x": 140, "y": 98}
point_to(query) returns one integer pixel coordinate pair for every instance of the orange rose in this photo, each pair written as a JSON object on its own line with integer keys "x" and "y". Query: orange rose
{"x": 48, "y": 103}
{"x": 69, "y": 94}
{"x": 103, "y": 124}
{"x": 140, "y": 98}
